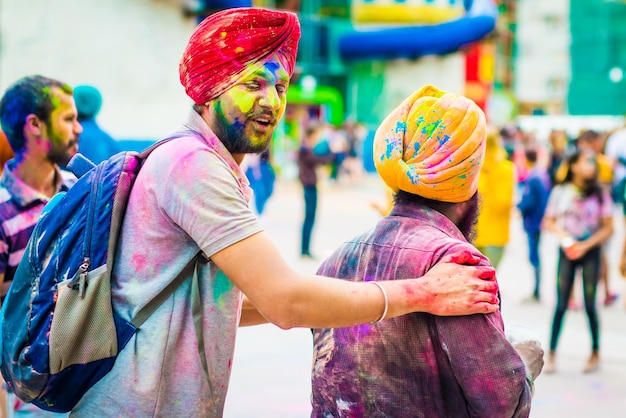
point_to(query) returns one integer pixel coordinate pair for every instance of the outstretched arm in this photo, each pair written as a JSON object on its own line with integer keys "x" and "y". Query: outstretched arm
{"x": 289, "y": 299}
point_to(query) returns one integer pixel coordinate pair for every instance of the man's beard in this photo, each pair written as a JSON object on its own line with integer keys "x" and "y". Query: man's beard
{"x": 62, "y": 156}
{"x": 467, "y": 223}
{"x": 234, "y": 138}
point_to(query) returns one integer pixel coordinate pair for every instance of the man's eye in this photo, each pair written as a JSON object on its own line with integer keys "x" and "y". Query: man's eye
{"x": 253, "y": 85}
{"x": 281, "y": 89}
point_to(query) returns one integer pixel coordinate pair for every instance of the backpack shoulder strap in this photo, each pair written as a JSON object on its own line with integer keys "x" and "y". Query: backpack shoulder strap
{"x": 189, "y": 132}
{"x": 193, "y": 264}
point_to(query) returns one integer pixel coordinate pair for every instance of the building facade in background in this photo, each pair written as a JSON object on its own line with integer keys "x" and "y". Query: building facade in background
{"x": 357, "y": 59}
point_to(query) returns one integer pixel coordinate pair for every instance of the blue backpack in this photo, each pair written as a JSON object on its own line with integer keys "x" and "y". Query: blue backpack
{"x": 59, "y": 333}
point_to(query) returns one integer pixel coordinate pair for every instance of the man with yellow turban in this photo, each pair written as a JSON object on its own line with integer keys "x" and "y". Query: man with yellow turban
{"x": 429, "y": 151}
{"x": 191, "y": 197}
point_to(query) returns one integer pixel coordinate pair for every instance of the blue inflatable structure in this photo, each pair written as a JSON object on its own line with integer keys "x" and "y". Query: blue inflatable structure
{"x": 416, "y": 41}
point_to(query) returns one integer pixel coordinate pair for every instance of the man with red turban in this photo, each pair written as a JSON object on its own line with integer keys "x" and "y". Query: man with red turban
{"x": 191, "y": 197}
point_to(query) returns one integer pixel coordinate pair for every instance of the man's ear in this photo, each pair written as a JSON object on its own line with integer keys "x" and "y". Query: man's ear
{"x": 34, "y": 125}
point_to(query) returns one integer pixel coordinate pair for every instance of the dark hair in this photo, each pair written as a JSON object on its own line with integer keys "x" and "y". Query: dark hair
{"x": 32, "y": 95}
{"x": 531, "y": 155}
{"x": 466, "y": 224}
{"x": 442, "y": 207}
{"x": 587, "y": 136}
{"x": 593, "y": 186}
{"x": 198, "y": 108}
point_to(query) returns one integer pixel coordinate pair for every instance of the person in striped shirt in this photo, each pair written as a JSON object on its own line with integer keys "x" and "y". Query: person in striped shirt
{"x": 39, "y": 117}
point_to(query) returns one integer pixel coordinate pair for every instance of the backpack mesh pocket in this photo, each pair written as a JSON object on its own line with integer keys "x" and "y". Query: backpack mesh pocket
{"x": 83, "y": 328}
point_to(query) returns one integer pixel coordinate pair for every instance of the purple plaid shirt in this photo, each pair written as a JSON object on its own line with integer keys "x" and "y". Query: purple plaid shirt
{"x": 417, "y": 365}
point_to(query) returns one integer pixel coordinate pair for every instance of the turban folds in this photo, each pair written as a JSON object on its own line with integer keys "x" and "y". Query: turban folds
{"x": 432, "y": 145}
{"x": 230, "y": 45}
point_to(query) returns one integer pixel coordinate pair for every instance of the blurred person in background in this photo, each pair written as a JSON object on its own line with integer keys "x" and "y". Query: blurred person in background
{"x": 262, "y": 177}
{"x": 333, "y": 141}
{"x": 622, "y": 264}
{"x": 308, "y": 162}
{"x": 532, "y": 205}
{"x": 421, "y": 365}
{"x": 559, "y": 143}
{"x": 352, "y": 165}
{"x": 39, "y": 117}
{"x": 580, "y": 214}
{"x": 595, "y": 142}
{"x": 496, "y": 188}
{"x": 616, "y": 152}
{"x": 525, "y": 140}
{"x": 509, "y": 136}
{"x": 384, "y": 207}
{"x": 95, "y": 144}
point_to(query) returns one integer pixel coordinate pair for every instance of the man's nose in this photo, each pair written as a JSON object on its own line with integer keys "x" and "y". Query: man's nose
{"x": 270, "y": 99}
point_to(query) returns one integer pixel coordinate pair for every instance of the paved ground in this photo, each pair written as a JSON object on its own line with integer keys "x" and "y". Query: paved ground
{"x": 271, "y": 368}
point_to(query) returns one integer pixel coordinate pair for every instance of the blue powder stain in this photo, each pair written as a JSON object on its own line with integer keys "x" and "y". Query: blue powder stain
{"x": 443, "y": 140}
{"x": 463, "y": 176}
{"x": 389, "y": 149}
{"x": 413, "y": 176}
{"x": 400, "y": 127}
{"x": 416, "y": 146}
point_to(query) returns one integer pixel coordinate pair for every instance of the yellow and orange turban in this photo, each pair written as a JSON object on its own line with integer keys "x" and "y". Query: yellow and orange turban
{"x": 230, "y": 45}
{"x": 432, "y": 145}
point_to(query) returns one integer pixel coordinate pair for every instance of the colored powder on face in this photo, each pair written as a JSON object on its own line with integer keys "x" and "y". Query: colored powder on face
{"x": 277, "y": 75}
{"x": 242, "y": 100}
{"x": 274, "y": 67}
{"x": 54, "y": 98}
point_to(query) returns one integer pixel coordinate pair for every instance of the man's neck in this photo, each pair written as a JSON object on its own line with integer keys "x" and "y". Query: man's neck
{"x": 238, "y": 158}
{"x": 39, "y": 175}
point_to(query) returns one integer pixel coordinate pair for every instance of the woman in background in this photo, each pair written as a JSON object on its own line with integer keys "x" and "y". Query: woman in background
{"x": 580, "y": 213}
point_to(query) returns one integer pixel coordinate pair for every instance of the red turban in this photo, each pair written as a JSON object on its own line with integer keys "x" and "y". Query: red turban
{"x": 230, "y": 45}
